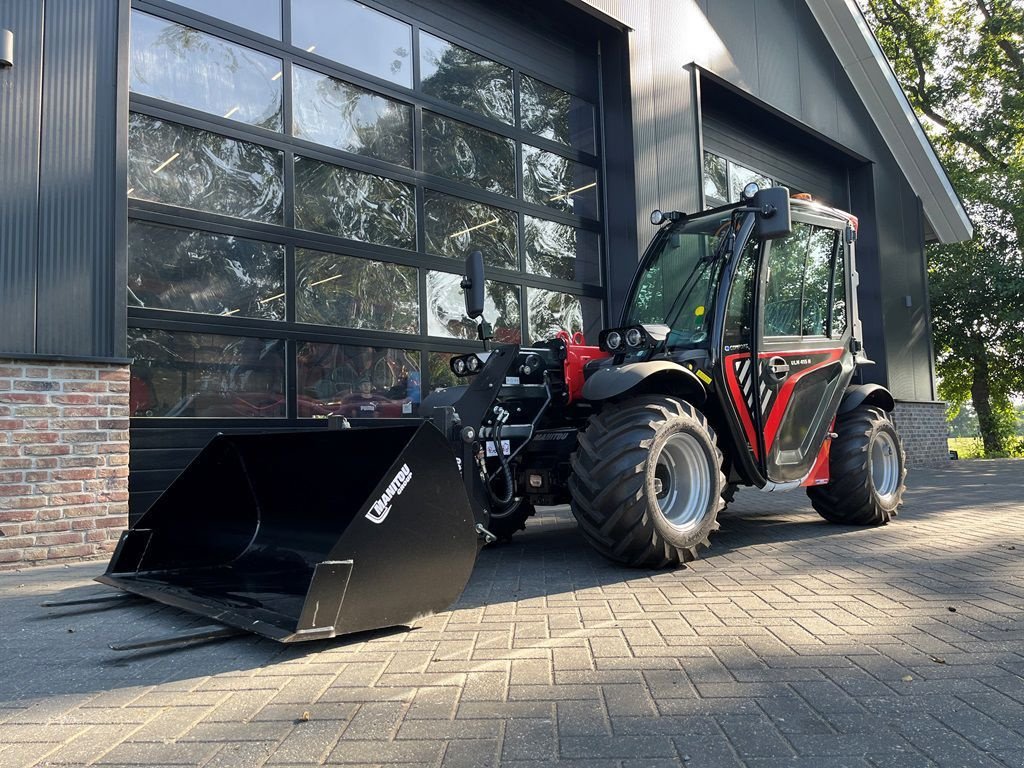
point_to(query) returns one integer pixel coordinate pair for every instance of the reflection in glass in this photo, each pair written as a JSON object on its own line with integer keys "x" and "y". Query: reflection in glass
{"x": 560, "y": 183}
{"x": 460, "y": 77}
{"x": 817, "y": 280}
{"x": 263, "y": 16}
{"x": 786, "y": 282}
{"x": 173, "y": 164}
{"x": 463, "y": 153}
{"x": 740, "y": 177}
{"x": 456, "y": 227}
{"x": 357, "y": 382}
{"x": 332, "y": 112}
{"x": 356, "y": 36}
{"x": 190, "y": 271}
{"x": 205, "y": 375}
{"x": 355, "y": 293}
{"x": 550, "y": 312}
{"x": 440, "y": 371}
{"x": 558, "y": 250}
{"x": 194, "y": 69}
{"x": 554, "y": 114}
{"x": 446, "y": 309}
{"x": 716, "y": 179}
{"x": 360, "y": 206}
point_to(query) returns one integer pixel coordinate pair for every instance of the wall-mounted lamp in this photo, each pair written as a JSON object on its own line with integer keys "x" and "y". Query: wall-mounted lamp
{"x": 6, "y": 48}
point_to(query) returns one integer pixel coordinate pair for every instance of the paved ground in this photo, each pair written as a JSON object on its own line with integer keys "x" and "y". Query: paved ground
{"x": 794, "y": 643}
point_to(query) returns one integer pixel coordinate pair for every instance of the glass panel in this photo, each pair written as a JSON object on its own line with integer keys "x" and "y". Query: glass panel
{"x": 558, "y": 250}
{"x": 463, "y": 153}
{"x": 332, "y": 112}
{"x": 550, "y": 312}
{"x": 737, "y": 330}
{"x": 360, "y": 206}
{"x": 785, "y": 282}
{"x": 462, "y": 78}
{"x": 440, "y": 372}
{"x": 446, "y": 309}
{"x": 560, "y": 183}
{"x": 818, "y": 274}
{"x": 191, "y": 68}
{"x": 456, "y": 227}
{"x": 356, "y": 36}
{"x": 170, "y": 268}
{"x": 716, "y": 179}
{"x": 193, "y": 374}
{"x": 554, "y": 114}
{"x": 838, "y": 324}
{"x": 740, "y": 177}
{"x": 263, "y": 16}
{"x": 173, "y": 164}
{"x": 357, "y": 382}
{"x": 355, "y": 293}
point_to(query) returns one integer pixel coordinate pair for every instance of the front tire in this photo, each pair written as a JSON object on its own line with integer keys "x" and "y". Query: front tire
{"x": 867, "y": 467}
{"x": 647, "y": 482}
{"x": 506, "y": 523}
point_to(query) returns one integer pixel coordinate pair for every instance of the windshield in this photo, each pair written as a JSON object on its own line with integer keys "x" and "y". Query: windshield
{"x": 679, "y": 280}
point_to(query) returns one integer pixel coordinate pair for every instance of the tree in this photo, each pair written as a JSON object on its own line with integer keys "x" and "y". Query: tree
{"x": 961, "y": 63}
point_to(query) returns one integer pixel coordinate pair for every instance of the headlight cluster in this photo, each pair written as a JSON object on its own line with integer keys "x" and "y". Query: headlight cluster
{"x": 466, "y": 365}
{"x": 623, "y": 340}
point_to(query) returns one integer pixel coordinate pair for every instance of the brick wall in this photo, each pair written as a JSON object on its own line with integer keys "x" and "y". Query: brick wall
{"x": 923, "y": 429}
{"x": 63, "y": 460}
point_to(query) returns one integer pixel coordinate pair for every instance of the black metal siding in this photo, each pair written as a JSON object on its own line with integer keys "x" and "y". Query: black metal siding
{"x": 19, "y": 183}
{"x": 58, "y": 265}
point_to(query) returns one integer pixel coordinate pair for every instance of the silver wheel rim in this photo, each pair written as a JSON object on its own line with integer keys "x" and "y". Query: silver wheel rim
{"x": 683, "y": 482}
{"x": 885, "y": 465}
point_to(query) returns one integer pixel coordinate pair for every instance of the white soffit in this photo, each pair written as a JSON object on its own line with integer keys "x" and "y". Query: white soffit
{"x": 860, "y": 55}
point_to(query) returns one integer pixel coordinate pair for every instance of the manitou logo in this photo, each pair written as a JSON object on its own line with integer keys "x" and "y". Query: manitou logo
{"x": 382, "y": 506}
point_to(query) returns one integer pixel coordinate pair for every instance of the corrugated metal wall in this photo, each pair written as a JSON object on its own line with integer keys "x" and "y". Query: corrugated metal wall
{"x": 58, "y": 205}
{"x": 774, "y": 51}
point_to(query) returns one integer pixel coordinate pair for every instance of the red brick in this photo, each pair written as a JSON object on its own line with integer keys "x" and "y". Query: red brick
{"x": 78, "y": 373}
{"x": 75, "y": 474}
{"x": 22, "y": 502}
{"x": 14, "y": 477}
{"x": 12, "y": 371}
{"x": 45, "y": 411}
{"x": 23, "y": 397}
{"x": 114, "y": 460}
{"x": 37, "y": 476}
{"x": 36, "y": 386}
{"x": 11, "y": 555}
{"x": 58, "y": 487}
{"x": 111, "y": 399}
{"x": 95, "y": 536}
{"x": 82, "y": 523}
{"x": 71, "y": 499}
{"x": 78, "y": 411}
{"x": 84, "y": 437}
{"x": 46, "y": 462}
{"x": 11, "y": 423}
{"x": 113, "y": 472}
{"x": 55, "y": 539}
{"x": 81, "y": 461}
{"x": 121, "y": 374}
{"x": 46, "y": 450}
{"x": 112, "y": 521}
{"x": 73, "y": 423}
{"x": 119, "y": 424}
{"x": 36, "y": 437}
{"x": 13, "y": 542}
{"x": 118, "y": 386}
{"x": 73, "y": 399}
{"x": 17, "y": 516}
{"x": 84, "y": 386}
{"x": 15, "y": 490}
{"x": 15, "y": 462}
{"x": 69, "y": 550}
{"x": 37, "y": 372}
{"x": 46, "y": 526}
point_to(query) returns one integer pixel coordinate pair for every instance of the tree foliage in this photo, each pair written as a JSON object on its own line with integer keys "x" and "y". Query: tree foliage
{"x": 961, "y": 63}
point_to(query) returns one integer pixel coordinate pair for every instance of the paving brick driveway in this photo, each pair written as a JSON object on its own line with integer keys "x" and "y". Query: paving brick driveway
{"x": 794, "y": 643}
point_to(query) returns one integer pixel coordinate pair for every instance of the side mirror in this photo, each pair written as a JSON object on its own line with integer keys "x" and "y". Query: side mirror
{"x": 473, "y": 285}
{"x": 774, "y": 214}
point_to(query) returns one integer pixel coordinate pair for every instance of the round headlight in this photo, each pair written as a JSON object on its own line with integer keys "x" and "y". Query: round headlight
{"x": 657, "y": 217}
{"x": 750, "y": 190}
{"x": 473, "y": 363}
{"x": 634, "y": 337}
{"x": 613, "y": 341}
{"x": 459, "y": 365}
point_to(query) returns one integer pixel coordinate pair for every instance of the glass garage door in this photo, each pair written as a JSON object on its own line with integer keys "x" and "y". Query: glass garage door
{"x": 304, "y": 181}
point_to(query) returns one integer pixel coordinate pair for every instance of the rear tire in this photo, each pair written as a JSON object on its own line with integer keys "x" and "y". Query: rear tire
{"x": 506, "y": 524}
{"x": 647, "y": 482}
{"x": 867, "y": 467}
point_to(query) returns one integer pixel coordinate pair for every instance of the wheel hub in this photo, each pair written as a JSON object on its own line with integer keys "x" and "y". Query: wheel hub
{"x": 885, "y": 464}
{"x": 683, "y": 482}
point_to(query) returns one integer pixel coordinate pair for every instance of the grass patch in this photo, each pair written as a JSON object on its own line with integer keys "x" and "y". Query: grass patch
{"x": 967, "y": 447}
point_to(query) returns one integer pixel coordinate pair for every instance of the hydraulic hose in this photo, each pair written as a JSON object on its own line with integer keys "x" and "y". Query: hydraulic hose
{"x": 506, "y": 472}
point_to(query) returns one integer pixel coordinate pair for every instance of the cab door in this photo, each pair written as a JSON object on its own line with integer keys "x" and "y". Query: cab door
{"x": 803, "y": 361}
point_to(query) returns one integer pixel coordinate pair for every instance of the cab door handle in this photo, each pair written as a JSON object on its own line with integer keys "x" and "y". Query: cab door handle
{"x": 779, "y": 367}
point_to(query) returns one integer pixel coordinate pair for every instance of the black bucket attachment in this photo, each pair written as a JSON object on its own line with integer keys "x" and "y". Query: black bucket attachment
{"x": 307, "y": 535}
